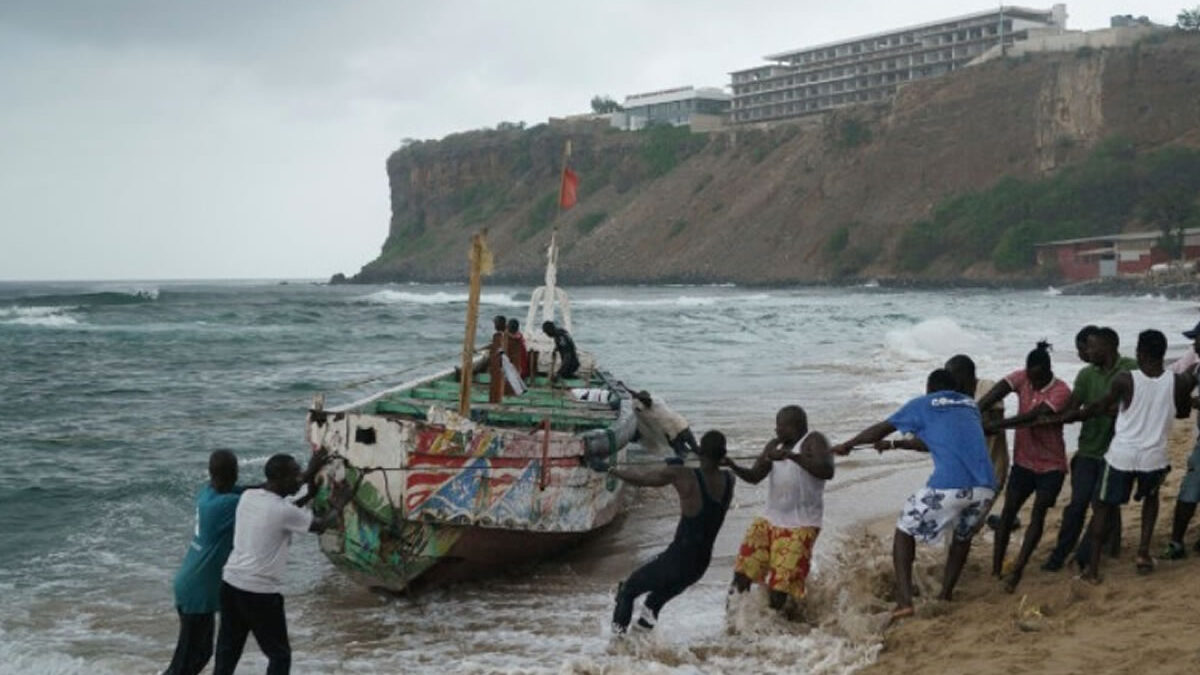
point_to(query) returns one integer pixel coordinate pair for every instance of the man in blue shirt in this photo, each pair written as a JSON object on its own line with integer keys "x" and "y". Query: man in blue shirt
{"x": 946, "y": 424}
{"x": 198, "y": 582}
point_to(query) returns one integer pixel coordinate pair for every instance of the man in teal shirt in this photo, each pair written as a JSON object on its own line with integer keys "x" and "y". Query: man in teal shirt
{"x": 1087, "y": 466}
{"x": 198, "y": 582}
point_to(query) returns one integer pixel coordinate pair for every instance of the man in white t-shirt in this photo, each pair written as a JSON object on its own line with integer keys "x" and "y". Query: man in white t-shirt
{"x": 252, "y": 581}
{"x": 1146, "y": 400}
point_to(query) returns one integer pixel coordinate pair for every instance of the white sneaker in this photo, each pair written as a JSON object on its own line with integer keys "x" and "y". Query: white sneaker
{"x": 646, "y": 620}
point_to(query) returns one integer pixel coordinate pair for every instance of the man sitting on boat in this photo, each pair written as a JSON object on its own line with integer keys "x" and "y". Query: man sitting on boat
{"x": 657, "y": 421}
{"x": 564, "y": 346}
{"x": 704, "y": 496}
{"x": 518, "y": 353}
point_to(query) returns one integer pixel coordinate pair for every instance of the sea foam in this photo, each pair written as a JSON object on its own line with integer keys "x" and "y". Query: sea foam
{"x": 391, "y": 297}
{"x": 50, "y": 317}
{"x": 931, "y": 340}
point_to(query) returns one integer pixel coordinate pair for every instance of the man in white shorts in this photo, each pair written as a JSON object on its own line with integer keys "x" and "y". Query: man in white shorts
{"x": 658, "y": 421}
{"x": 957, "y": 494}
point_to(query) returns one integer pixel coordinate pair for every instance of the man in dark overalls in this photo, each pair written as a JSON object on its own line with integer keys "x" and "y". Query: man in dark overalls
{"x": 704, "y": 496}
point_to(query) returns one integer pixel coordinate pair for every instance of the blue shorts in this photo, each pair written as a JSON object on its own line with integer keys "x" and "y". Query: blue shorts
{"x": 1116, "y": 485}
{"x": 1189, "y": 488}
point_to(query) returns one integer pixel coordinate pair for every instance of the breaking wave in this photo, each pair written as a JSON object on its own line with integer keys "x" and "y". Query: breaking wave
{"x": 679, "y": 301}
{"x": 390, "y": 297}
{"x": 931, "y": 340}
{"x": 50, "y": 317}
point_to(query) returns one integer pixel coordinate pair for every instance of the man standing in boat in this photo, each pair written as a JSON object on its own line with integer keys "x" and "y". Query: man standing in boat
{"x": 251, "y": 599}
{"x": 704, "y": 496}
{"x": 564, "y": 346}
{"x": 198, "y": 582}
{"x": 777, "y": 549}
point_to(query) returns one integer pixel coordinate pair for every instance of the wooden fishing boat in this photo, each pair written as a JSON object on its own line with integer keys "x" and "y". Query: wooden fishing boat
{"x": 443, "y": 492}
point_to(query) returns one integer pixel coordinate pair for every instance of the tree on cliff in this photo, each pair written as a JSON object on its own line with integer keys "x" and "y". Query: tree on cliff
{"x": 1170, "y": 184}
{"x": 605, "y": 104}
{"x": 1189, "y": 19}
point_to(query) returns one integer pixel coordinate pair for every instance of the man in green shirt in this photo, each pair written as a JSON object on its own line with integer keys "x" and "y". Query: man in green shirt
{"x": 1087, "y": 466}
{"x": 198, "y": 582}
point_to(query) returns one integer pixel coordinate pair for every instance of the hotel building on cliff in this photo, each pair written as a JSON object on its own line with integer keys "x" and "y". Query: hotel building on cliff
{"x": 700, "y": 108}
{"x": 870, "y": 68}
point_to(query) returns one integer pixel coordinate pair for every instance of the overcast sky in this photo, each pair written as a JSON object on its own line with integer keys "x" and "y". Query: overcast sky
{"x": 158, "y": 139}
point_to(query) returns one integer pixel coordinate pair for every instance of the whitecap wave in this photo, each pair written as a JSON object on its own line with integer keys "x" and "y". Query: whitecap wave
{"x": 679, "y": 301}
{"x": 50, "y": 317}
{"x": 931, "y": 340}
{"x": 391, "y": 297}
{"x": 1052, "y": 292}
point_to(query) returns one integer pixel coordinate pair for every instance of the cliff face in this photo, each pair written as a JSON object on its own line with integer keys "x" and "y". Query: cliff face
{"x": 822, "y": 197}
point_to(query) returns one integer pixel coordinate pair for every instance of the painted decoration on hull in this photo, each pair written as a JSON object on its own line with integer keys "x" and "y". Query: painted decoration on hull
{"x": 418, "y": 487}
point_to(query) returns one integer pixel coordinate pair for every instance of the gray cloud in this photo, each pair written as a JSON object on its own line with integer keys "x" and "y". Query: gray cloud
{"x": 183, "y": 139}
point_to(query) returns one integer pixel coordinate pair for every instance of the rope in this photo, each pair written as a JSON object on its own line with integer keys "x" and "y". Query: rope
{"x": 655, "y": 461}
{"x": 354, "y": 384}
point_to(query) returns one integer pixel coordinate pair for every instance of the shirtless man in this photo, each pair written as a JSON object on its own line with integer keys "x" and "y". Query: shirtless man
{"x": 704, "y": 496}
{"x": 777, "y": 549}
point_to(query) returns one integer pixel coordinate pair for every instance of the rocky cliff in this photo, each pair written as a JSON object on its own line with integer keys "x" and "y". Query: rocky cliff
{"x": 819, "y": 198}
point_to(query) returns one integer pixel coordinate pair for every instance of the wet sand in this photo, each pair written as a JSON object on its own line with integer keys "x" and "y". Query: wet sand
{"x": 1056, "y": 623}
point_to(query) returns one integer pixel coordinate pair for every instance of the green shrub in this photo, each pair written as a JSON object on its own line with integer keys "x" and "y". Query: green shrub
{"x": 856, "y": 257}
{"x": 838, "y": 240}
{"x": 664, "y": 147}
{"x": 541, "y": 215}
{"x": 1093, "y": 197}
{"x": 589, "y": 221}
{"x": 677, "y": 227}
{"x": 853, "y": 132}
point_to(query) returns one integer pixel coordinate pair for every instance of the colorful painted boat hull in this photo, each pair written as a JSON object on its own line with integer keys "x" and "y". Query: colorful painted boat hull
{"x": 438, "y": 498}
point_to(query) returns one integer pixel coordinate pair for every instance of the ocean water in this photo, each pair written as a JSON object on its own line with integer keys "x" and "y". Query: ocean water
{"x": 115, "y": 393}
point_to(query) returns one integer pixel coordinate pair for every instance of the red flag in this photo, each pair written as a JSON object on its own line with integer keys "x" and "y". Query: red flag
{"x": 568, "y": 193}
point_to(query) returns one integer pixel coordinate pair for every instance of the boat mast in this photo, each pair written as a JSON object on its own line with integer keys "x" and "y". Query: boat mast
{"x": 480, "y": 258}
{"x": 548, "y": 294}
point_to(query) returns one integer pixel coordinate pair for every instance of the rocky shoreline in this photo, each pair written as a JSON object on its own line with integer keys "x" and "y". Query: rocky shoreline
{"x": 1172, "y": 288}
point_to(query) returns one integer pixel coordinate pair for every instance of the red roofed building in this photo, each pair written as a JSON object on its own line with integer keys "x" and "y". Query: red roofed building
{"x": 1111, "y": 255}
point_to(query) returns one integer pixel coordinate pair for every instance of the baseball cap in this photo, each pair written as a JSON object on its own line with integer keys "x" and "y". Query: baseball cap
{"x": 1191, "y": 334}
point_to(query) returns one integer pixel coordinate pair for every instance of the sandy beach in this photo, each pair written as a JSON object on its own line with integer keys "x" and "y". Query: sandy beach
{"x": 1056, "y": 623}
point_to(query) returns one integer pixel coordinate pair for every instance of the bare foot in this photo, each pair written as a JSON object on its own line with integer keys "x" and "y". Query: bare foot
{"x": 1012, "y": 580}
{"x": 899, "y": 614}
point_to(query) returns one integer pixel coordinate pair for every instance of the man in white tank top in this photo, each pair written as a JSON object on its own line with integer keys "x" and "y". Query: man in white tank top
{"x": 777, "y": 549}
{"x": 1146, "y": 399}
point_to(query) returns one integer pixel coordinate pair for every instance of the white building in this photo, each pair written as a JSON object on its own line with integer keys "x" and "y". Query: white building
{"x": 871, "y": 67}
{"x": 701, "y": 108}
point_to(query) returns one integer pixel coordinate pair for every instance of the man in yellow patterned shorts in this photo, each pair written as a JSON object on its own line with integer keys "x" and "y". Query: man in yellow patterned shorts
{"x": 777, "y": 549}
